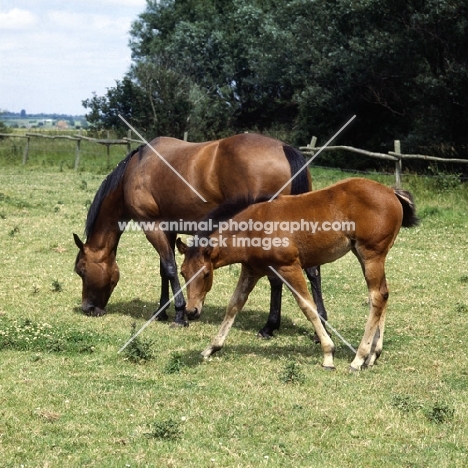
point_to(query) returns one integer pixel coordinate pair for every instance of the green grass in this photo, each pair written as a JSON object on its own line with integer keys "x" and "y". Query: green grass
{"x": 67, "y": 398}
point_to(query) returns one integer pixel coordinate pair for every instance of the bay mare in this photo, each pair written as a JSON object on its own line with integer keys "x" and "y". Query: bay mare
{"x": 143, "y": 188}
{"x": 356, "y": 215}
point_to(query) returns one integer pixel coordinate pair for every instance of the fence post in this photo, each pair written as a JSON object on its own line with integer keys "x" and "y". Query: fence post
{"x": 312, "y": 144}
{"x": 129, "y": 141}
{"x": 26, "y": 151}
{"x": 185, "y": 136}
{"x": 77, "y": 153}
{"x": 398, "y": 163}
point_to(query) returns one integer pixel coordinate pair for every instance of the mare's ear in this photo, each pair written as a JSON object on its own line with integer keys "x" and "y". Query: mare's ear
{"x": 181, "y": 247}
{"x": 78, "y": 242}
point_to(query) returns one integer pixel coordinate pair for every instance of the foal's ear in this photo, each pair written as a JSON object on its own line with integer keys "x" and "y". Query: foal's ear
{"x": 78, "y": 242}
{"x": 208, "y": 250}
{"x": 181, "y": 247}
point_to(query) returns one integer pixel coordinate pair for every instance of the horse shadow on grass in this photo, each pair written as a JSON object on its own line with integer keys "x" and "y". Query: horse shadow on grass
{"x": 249, "y": 321}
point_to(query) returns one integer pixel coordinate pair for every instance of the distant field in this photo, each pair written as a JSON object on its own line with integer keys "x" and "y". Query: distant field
{"x": 45, "y": 122}
{"x": 68, "y": 399}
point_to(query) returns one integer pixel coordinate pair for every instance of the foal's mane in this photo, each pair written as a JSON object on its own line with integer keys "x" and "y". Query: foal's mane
{"x": 109, "y": 184}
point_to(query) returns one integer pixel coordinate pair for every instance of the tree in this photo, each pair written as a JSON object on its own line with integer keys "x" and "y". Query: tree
{"x": 299, "y": 68}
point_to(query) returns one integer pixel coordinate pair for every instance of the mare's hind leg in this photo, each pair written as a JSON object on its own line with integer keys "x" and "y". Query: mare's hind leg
{"x": 294, "y": 276}
{"x": 246, "y": 283}
{"x": 371, "y": 344}
{"x": 315, "y": 279}
{"x": 274, "y": 317}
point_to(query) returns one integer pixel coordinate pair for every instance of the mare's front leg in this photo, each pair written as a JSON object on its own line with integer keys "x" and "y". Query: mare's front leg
{"x": 246, "y": 283}
{"x": 293, "y": 276}
{"x": 371, "y": 344}
{"x": 164, "y": 244}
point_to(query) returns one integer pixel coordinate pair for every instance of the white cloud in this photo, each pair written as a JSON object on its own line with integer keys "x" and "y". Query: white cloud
{"x": 89, "y": 22}
{"x": 17, "y": 19}
{"x": 57, "y": 54}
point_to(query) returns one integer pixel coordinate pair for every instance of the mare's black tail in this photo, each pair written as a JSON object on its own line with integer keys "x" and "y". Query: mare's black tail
{"x": 301, "y": 183}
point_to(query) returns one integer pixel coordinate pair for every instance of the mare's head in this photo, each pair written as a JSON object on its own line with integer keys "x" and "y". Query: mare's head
{"x": 99, "y": 274}
{"x": 197, "y": 270}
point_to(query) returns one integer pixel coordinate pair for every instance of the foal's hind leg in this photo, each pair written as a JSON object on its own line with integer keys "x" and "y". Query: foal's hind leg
{"x": 274, "y": 317}
{"x": 372, "y": 342}
{"x": 246, "y": 283}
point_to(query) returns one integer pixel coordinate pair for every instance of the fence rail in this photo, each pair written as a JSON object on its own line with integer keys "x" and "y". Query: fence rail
{"x": 108, "y": 142}
{"x": 311, "y": 149}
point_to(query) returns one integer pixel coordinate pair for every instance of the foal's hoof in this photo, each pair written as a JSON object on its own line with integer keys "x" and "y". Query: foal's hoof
{"x": 329, "y": 368}
{"x": 182, "y": 324}
{"x": 353, "y": 369}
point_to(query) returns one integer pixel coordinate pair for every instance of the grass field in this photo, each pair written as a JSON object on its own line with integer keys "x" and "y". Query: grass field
{"x": 67, "y": 398}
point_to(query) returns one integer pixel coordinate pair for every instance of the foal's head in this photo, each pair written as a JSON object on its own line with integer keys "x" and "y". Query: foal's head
{"x": 99, "y": 274}
{"x": 197, "y": 270}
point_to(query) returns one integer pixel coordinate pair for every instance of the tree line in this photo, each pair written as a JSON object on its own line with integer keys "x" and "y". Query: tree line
{"x": 298, "y": 68}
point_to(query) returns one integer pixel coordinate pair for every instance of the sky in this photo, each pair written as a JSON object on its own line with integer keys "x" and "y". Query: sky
{"x": 55, "y": 53}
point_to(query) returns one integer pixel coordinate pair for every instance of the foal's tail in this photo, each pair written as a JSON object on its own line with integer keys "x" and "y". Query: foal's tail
{"x": 409, "y": 209}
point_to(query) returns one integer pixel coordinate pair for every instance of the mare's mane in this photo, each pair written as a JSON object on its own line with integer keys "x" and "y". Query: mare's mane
{"x": 228, "y": 210}
{"x": 109, "y": 184}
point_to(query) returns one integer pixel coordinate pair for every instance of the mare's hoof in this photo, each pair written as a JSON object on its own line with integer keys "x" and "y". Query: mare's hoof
{"x": 353, "y": 369}
{"x": 264, "y": 334}
{"x": 162, "y": 317}
{"x": 329, "y": 368}
{"x": 182, "y": 324}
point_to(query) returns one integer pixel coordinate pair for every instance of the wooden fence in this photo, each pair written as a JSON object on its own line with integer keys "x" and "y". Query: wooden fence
{"x": 310, "y": 150}
{"x": 397, "y": 156}
{"x": 108, "y": 142}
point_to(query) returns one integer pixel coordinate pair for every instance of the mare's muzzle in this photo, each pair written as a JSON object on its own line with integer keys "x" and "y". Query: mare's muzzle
{"x": 92, "y": 310}
{"x": 193, "y": 314}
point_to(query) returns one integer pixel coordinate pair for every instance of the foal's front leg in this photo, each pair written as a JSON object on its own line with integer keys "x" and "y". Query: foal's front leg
{"x": 246, "y": 283}
{"x": 293, "y": 275}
